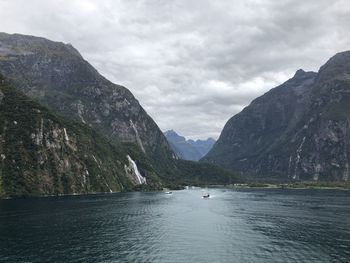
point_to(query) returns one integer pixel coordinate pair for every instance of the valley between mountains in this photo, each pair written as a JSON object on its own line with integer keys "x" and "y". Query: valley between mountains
{"x": 66, "y": 129}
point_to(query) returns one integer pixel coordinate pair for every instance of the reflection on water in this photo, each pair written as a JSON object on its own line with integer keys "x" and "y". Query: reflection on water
{"x": 231, "y": 226}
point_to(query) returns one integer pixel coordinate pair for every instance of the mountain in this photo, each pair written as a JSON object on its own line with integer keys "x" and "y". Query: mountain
{"x": 299, "y": 130}
{"x": 188, "y": 149}
{"x": 57, "y": 76}
{"x": 41, "y": 153}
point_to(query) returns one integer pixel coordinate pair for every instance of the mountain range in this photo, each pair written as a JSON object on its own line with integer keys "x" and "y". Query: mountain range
{"x": 299, "y": 130}
{"x": 103, "y": 119}
{"x": 188, "y": 149}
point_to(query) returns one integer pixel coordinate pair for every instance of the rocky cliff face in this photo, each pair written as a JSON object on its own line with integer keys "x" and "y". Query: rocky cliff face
{"x": 57, "y": 76}
{"x": 188, "y": 149}
{"x": 297, "y": 131}
{"x": 41, "y": 153}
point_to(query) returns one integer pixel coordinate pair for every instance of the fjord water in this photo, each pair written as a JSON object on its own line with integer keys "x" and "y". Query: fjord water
{"x": 232, "y": 226}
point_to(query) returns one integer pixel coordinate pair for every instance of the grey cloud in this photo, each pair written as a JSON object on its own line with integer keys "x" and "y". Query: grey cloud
{"x": 192, "y": 64}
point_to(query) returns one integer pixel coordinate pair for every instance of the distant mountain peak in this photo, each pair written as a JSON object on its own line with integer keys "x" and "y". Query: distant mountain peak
{"x": 170, "y": 132}
{"x": 188, "y": 149}
{"x": 299, "y": 72}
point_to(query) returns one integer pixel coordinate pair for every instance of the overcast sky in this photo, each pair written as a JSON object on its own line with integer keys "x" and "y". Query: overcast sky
{"x": 192, "y": 64}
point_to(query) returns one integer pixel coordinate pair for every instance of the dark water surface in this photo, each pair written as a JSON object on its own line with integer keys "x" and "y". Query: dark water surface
{"x": 232, "y": 226}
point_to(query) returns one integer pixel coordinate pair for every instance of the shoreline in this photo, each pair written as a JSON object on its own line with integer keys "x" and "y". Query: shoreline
{"x": 236, "y": 186}
{"x": 289, "y": 186}
{"x": 58, "y": 195}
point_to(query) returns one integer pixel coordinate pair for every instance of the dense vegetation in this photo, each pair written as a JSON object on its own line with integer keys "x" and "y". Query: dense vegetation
{"x": 41, "y": 153}
{"x": 193, "y": 173}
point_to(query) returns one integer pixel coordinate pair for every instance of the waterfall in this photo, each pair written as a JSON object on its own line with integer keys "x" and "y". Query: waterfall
{"x": 139, "y": 177}
{"x": 65, "y": 135}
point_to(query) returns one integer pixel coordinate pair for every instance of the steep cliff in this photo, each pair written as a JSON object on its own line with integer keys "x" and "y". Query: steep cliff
{"x": 41, "y": 153}
{"x": 297, "y": 131}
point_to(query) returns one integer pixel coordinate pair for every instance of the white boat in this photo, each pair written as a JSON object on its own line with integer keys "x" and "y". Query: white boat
{"x": 167, "y": 191}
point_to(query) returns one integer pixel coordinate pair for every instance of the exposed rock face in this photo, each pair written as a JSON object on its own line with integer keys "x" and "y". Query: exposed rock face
{"x": 41, "y": 153}
{"x": 297, "y": 131}
{"x": 188, "y": 149}
{"x": 58, "y": 77}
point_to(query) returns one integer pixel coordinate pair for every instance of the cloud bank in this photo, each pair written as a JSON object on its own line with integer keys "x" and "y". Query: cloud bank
{"x": 192, "y": 64}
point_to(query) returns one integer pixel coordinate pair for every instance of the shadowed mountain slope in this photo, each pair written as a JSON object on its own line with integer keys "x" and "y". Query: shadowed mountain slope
{"x": 299, "y": 130}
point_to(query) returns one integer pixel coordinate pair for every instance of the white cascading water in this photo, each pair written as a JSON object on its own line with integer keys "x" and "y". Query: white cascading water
{"x": 140, "y": 178}
{"x": 66, "y": 135}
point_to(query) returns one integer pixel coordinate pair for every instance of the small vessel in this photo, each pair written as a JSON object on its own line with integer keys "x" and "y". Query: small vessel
{"x": 206, "y": 196}
{"x": 167, "y": 191}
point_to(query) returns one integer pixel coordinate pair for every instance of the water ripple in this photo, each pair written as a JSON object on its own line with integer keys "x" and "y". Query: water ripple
{"x": 234, "y": 226}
